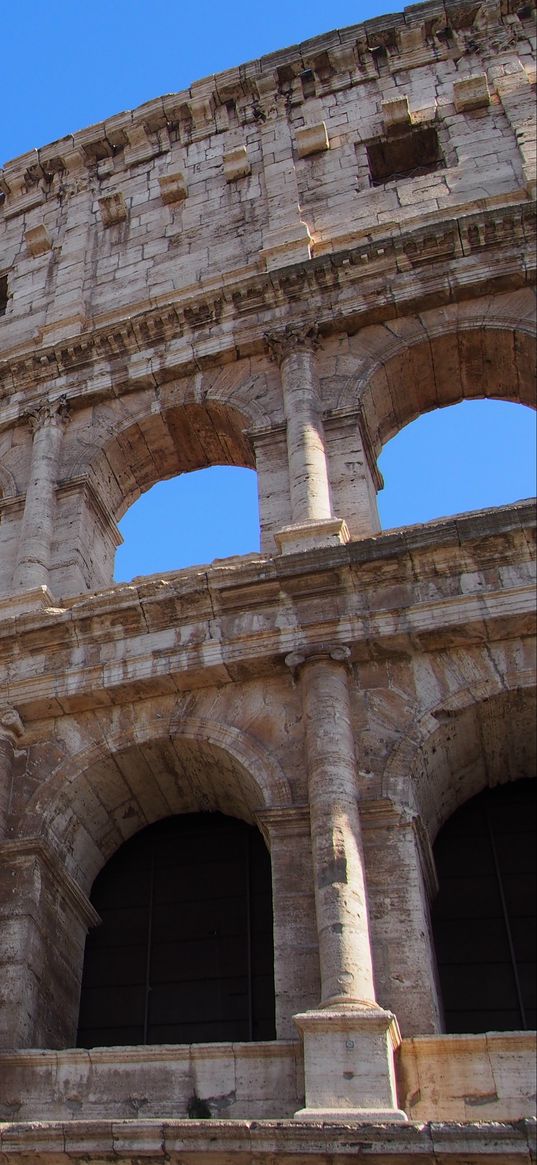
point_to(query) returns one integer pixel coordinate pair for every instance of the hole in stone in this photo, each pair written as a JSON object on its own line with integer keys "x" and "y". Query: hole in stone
{"x": 409, "y": 154}
{"x": 3, "y": 294}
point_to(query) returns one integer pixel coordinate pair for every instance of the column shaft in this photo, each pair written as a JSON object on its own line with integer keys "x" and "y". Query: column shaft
{"x": 340, "y": 893}
{"x": 34, "y": 557}
{"x": 308, "y": 473}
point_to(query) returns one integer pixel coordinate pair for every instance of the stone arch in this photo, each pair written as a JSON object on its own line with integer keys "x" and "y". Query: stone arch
{"x": 161, "y": 445}
{"x": 8, "y": 487}
{"x": 135, "y": 440}
{"x": 411, "y": 366}
{"x": 96, "y": 800}
{"x": 481, "y": 735}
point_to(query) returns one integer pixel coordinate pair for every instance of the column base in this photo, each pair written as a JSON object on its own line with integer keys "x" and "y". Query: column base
{"x": 340, "y": 1116}
{"x": 312, "y": 535}
{"x": 348, "y": 1064}
{"x": 23, "y": 602}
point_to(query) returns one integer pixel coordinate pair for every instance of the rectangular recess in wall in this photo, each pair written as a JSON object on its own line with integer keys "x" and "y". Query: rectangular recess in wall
{"x": 405, "y": 155}
{"x": 3, "y": 294}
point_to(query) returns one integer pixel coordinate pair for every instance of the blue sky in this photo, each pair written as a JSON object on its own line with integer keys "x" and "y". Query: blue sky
{"x": 70, "y": 63}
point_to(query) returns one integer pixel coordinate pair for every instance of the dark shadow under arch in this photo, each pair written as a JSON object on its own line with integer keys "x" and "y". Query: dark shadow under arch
{"x": 184, "y": 953}
{"x": 485, "y": 912}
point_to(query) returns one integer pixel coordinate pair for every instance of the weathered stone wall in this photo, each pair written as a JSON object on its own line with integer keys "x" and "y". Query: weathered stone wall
{"x": 255, "y": 273}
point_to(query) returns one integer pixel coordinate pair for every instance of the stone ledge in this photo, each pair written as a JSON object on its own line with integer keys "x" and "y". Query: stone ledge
{"x": 214, "y": 1142}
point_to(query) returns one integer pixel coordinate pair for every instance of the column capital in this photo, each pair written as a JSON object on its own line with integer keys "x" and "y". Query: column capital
{"x": 11, "y": 726}
{"x": 292, "y": 338}
{"x": 55, "y": 412}
{"x": 332, "y": 652}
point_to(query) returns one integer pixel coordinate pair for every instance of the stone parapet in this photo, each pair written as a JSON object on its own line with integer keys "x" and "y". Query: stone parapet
{"x": 465, "y": 1077}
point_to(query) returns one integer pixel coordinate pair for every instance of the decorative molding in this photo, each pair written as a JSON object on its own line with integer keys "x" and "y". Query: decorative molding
{"x": 289, "y": 821}
{"x": 11, "y": 725}
{"x": 293, "y": 338}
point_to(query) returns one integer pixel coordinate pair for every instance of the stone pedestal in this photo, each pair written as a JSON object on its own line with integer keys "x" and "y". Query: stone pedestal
{"x": 312, "y": 535}
{"x": 348, "y": 1065}
{"x": 296, "y": 963}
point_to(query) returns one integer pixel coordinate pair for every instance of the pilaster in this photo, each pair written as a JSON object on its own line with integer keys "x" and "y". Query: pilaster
{"x": 354, "y": 476}
{"x": 11, "y": 728}
{"x": 402, "y": 884}
{"x": 44, "y": 917}
{"x": 296, "y": 960}
{"x": 286, "y": 238}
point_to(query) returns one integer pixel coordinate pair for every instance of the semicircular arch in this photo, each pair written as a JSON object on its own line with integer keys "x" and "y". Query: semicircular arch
{"x": 161, "y": 445}
{"x": 408, "y": 367}
{"x": 481, "y": 736}
{"x": 97, "y": 799}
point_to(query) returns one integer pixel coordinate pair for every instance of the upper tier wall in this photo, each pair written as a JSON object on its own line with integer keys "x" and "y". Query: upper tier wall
{"x": 363, "y": 133}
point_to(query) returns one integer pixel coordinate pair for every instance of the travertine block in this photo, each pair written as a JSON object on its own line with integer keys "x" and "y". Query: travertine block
{"x": 173, "y": 187}
{"x": 236, "y": 164}
{"x": 312, "y": 139}
{"x": 288, "y": 243}
{"x": 38, "y": 240}
{"x": 396, "y": 113}
{"x": 113, "y": 209}
{"x": 471, "y": 93}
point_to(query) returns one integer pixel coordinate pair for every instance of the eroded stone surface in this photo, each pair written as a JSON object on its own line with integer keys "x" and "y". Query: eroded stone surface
{"x": 228, "y": 290}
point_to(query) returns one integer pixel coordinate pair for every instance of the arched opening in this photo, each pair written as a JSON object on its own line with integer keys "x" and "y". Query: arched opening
{"x": 195, "y": 518}
{"x": 484, "y": 915}
{"x": 468, "y": 456}
{"x": 184, "y": 953}
{"x": 162, "y": 444}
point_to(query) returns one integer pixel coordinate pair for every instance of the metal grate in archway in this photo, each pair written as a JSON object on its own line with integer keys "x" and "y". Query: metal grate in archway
{"x": 484, "y": 915}
{"x": 184, "y": 953}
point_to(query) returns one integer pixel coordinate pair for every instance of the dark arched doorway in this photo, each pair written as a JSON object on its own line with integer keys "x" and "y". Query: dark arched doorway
{"x": 184, "y": 953}
{"x": 484, "y": 915}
